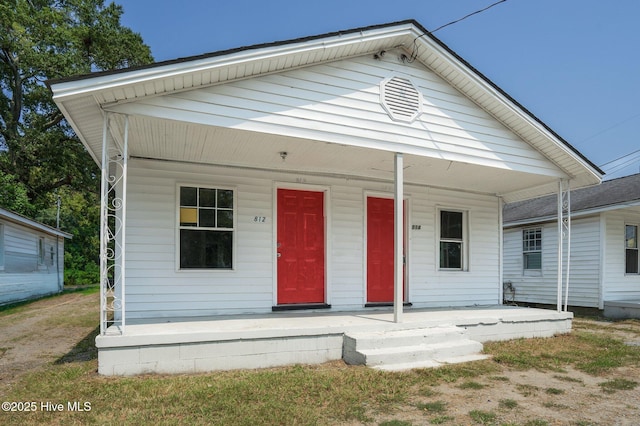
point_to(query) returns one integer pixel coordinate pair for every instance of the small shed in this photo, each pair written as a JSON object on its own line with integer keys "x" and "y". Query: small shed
{"x": 603, "y": 258}
{"x": 31, "y": 258}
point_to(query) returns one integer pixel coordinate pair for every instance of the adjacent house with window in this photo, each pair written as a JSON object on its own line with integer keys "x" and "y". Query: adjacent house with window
{"x": 603, "y": 262}
{"x": 31, "y": 258}
{"x": 350, "y": 171}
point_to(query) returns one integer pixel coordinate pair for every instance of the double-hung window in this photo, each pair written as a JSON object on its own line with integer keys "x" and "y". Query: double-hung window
{"x": 452, "y": 240}
{"x": 207, "y": 227}
{"x": 632, "y": 265}
{"x": 532, "y": 249}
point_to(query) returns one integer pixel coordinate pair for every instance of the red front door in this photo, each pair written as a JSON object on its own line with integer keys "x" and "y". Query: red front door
{"x": 300, "y": 246}
{"x": 380, "y": 258}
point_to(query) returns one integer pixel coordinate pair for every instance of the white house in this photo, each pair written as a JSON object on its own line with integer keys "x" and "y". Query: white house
{"x": 604, "y": 266}
{"x": 31, "y": 258}
{"x": 309, "y": 174}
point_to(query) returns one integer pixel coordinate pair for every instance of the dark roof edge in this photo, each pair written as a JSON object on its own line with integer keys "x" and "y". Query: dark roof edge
{"x": 333, "y": 34}
{"x": 231, "y": 51}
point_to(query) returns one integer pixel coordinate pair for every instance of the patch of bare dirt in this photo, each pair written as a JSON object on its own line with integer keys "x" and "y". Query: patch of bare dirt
{"x": 43, "y": 332}
{"x": 534, "y": 397}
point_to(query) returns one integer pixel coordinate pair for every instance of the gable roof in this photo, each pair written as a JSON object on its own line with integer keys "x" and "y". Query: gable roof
{"x": 30, "y": 223}
{"x": 610, "y": 194}
{"x": 83, "y": 99}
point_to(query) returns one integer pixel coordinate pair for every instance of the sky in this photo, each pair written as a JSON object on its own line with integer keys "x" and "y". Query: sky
{"x": 575, "y": 64}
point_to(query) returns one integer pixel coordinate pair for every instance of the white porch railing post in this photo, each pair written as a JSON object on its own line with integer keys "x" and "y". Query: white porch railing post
{"x": 398, "y": 245}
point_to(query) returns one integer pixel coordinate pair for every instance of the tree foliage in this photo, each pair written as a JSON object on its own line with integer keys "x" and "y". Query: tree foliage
{"x": 40, "y": 155}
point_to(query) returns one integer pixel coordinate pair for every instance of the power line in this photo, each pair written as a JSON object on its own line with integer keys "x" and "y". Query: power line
{"x": 620, "y": 158}
{"x": 467, "y": 16}
{"x": 611, "y": 127}
{"x": 414, "y": 54}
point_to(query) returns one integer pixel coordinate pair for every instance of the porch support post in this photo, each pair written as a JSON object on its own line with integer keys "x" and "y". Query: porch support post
{"x": 559, "y": 289}
{"x": 104, "y": 231}
{"x": 398, "y": 245}
{"x": 123, "y": 212}
{"x": 566, "y": 224}
{"x": 113, "y": 202}
{"x": 564, "y": 231}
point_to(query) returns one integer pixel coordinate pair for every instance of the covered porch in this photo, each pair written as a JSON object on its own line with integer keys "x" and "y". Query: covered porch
{"x": 189, "y": 345}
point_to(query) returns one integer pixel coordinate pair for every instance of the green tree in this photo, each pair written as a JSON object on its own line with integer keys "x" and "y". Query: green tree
{"x": 39, "y": 153}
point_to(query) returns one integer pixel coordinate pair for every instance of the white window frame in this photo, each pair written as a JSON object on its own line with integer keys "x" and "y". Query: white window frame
{"x": 636, "y": 248}
{"x": 525, "y": 252}
{"x": 464, "y": 249}
{"x": 233, "y": 230}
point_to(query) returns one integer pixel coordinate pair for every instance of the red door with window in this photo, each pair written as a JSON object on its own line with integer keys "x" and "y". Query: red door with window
{"x": 300, "y": 247}
{"x": 380, "y": 256}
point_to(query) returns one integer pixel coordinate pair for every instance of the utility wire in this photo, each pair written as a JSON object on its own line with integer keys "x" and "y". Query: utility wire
{"x": 467, "y": 16}
{"x": 414, "y": 54}
{"x": 620, "y": 158}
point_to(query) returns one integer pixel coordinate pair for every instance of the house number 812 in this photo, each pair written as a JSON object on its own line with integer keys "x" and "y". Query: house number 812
{"x": 260, "y": 219}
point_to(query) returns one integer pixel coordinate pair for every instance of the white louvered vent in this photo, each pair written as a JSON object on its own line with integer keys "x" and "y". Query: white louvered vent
{"x": 400, "y": 98}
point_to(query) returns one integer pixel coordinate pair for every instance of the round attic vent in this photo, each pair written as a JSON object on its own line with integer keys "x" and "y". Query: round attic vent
{"x": 400, "y": 98}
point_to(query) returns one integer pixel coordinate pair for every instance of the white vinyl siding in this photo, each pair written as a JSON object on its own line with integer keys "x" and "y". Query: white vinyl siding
{"x": 29, "y": 264}
{"x": 339, "y": 102}
{"x": 156, "y": 289}
{"x": 584, "y": 283}
{"x": 618, "y": 284}
{"x": 1, "y": 247}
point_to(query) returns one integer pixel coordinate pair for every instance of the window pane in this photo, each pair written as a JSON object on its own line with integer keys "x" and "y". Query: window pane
{"x": 207, "y": 218}
{"x": 207, "y": 197}
{"x": 188, "y": 216}
{"x": 225, "y": 219}
{"x": 188, "y": 196}
{"x": 533, "y": 261}
{"x": 632, "y": 261}
{"x": 451, "y": 225}
{"x": 225, "y": 199}
{"x": 631, "y": 236}
{"x": 451, "y": 255}
{"x": 205, "y": 249}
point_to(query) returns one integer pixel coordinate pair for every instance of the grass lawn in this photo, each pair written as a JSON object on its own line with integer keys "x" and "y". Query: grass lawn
{"x": 335, "y": 393}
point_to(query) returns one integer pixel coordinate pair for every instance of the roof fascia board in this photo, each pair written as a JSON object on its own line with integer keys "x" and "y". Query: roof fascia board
{"x": 481, "y": 81}
{"x": 68, "y": 89}
{"x": 580, "y": 213}
{"x": 24, "y": 221}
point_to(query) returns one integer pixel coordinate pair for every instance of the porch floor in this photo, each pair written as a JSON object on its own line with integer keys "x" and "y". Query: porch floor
{"x": 479, "y": 322}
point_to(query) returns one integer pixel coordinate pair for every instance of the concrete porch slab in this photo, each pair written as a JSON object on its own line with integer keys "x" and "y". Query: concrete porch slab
{"x": 181, "y": 345}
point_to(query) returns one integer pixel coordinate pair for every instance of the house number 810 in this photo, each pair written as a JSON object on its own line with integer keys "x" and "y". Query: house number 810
{"x": 260, "y": 219}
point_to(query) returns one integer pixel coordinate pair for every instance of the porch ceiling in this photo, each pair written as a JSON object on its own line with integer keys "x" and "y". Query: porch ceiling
{"x": 192, "y": 143}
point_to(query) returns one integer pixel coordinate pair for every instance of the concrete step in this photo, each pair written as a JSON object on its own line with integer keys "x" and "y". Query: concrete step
{"x": 390, "y": 338}
{"x": 430, "y": 363}
{"x": 414, "y": 348}
{"x": 402, "y": 354}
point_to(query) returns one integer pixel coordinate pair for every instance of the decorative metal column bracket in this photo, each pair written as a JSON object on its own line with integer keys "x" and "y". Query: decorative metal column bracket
{"x": 112, "y": 230}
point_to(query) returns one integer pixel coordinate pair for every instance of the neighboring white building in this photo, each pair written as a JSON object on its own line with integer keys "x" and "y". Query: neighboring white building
{"x": 266, "y": 178}
{"x": 31, "y": 258}
{"x": 604, "y": 264}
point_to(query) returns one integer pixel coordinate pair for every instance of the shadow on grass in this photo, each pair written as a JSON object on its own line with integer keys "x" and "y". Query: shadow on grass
{"x": 84, "y": 350}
